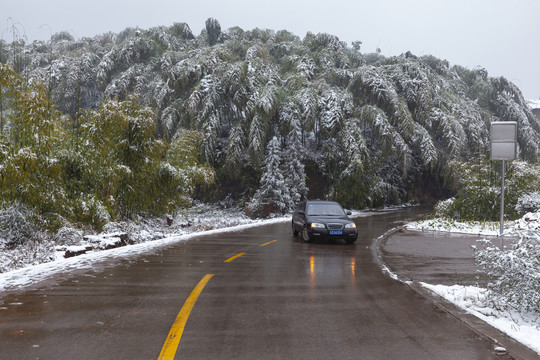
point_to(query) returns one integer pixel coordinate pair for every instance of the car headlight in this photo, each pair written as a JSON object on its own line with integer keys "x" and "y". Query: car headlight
{"x": 317, "y": 226}
{"x": 350, "y": 226}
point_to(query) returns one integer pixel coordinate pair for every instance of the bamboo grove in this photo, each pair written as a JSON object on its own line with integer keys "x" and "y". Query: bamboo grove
{"x": 280, "y": 118}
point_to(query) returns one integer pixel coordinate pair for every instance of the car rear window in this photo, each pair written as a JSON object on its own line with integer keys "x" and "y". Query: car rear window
{"x": 324, "y": 209}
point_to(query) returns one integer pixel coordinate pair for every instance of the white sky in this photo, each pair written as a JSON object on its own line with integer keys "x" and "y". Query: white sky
{"x": 502, "y": 36}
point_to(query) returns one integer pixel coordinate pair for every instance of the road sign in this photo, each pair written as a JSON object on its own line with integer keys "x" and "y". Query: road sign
{"x": 503, "y": 140}
{"x": 503, "y": 136}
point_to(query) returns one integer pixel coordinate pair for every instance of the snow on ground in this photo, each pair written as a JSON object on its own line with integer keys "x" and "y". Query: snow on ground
{"x": 32, "y": 275}
{"x": 34, "y": 263}
{"x": 529, "y": 223}
{"x": 475, "y": 228}
{"x": 520, "y": 325}
{"x": 147, "y": 235}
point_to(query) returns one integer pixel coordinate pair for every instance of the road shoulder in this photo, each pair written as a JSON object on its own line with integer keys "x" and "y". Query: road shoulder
{"x": 414, "y": 257}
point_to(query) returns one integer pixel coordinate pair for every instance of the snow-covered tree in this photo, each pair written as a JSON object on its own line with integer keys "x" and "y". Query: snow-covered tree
{"x": 213, "y": 31}
{"x": 293, "y": 166}
{"x": 236, "y": 151}
{"x": 257, "y": 139}
{"x": 334, "y": 108}
{"x": 273, "y": 190}
{"x": 409, "y": 116}
{"x": 309, "y": 109}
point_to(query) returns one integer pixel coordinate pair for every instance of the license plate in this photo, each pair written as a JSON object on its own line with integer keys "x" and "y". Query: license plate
{"x": 336, "y": 232}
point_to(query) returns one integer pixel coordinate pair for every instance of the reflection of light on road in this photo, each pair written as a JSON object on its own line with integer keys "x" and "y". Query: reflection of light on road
{"x": 312, "y": 272}
{"x": 353, "y": 267}
{"x": 312, "y": 266}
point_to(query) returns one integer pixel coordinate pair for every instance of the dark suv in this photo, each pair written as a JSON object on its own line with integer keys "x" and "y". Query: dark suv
{"x": 323, "y": 219}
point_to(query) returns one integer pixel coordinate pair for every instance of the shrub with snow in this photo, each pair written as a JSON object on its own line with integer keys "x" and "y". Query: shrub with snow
{"x": 479, "y": 191}
{"x": 68, "y": 236}
{"x": 16, "y": 224}
{"x": 514, "y": 273}
{"x": 444, "y": 208}
{"x": 528, "y": 203}
{"x": 40, "y": 249}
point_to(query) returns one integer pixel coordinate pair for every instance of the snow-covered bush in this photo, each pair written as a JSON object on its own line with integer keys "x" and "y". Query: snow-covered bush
{"x": 514, "y": 273}
{"x": 68, "y": 236}
{"x": 528, "y": 203}
{"x": 96, "y": 213}
{"x": 479, "y": 190}
{"x": 40, "y": 249}
{"x": 16, "y": 224}
{"x": 444, "y": 208}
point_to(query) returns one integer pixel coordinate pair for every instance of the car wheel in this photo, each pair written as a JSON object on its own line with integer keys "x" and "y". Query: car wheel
{"x": 305, "y": 235}
{"x": 350, "y": 241}
{"x": 294, "y": 232}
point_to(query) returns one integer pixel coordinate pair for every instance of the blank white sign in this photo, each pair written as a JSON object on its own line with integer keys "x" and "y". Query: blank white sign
{"x": 503, "y": 140}
{"x": 504, "y": 131}
{"x": 503, "y": 151}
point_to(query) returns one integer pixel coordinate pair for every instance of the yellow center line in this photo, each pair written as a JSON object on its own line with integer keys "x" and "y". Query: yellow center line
{"x": 173, "y": 338}
{"x": 234, "y": 257}
{"x": 268, "y": 243}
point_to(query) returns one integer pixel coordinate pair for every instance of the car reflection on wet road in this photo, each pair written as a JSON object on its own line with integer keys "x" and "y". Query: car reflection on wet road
{"x": 284, "y": 300}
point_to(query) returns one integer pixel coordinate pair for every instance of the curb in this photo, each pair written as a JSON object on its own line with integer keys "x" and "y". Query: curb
{"x": 514, "y": 349}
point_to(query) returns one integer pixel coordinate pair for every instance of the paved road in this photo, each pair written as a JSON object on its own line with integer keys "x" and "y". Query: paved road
{"x": 433, "y": 257}
{"x": 445, "y": 258}
{"x": 285, "y": 300}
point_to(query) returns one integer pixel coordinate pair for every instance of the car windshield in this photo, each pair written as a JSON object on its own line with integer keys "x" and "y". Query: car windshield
{"x": 325, "y": 209}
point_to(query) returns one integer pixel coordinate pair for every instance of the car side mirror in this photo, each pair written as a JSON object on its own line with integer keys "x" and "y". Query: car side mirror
{"x": 349, "y": 212}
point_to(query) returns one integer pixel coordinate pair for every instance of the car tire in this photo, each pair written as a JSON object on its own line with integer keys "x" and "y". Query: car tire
{"x": 294, "y": 232}
{"x": 305, "y": 235}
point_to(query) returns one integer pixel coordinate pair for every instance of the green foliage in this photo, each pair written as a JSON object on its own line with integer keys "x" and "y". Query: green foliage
{"x": 31, "y": 134}
{"x": 374, "y": 130}
{"x": 26, "y": 112}
{"x": 138, "y": 173}
{"x": 514, "y": 273}
{"x": 182, "y": 155}
{"x": 120, "y": 148}
{"x": 109, "y": 164}
{"x": 479, "y": 190}
{"x": 352, "y": 189}
{"x": 213, "y": 31}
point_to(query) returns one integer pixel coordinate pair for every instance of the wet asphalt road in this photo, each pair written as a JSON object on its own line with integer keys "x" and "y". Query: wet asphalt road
{"x": 433, "y": 257}
{"x": 285, "y": 300}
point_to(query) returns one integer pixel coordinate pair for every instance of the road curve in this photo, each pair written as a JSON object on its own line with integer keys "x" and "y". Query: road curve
{"x": 283, "y": 300}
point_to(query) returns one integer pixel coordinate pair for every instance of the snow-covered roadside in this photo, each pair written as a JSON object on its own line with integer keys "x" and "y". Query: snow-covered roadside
{"x": 529, "y": 223}
{"x": 37, "y": 262}
{"x": 521, "y": 325}
{"x": 147, "y": 236}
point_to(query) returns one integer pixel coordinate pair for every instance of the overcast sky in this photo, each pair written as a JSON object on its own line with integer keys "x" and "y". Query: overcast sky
{"x": 502, "y": 36}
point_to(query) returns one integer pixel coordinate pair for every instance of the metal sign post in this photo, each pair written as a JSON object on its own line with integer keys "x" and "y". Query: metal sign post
{"x": 502, "y": 200}
{"x": 503, "y": 147}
